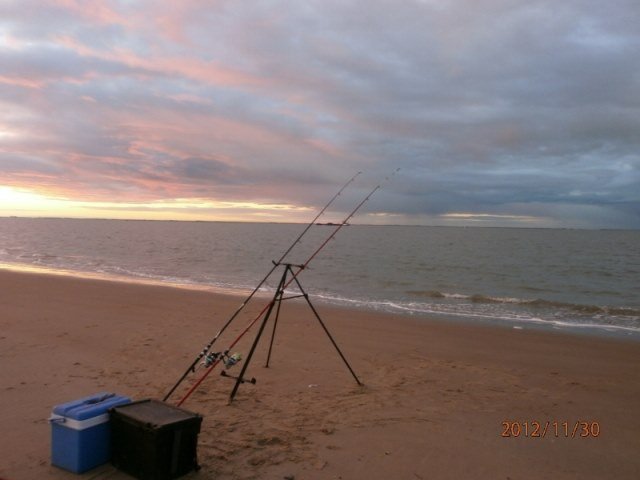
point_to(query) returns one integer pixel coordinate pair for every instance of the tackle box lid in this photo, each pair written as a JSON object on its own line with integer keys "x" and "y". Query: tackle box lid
{"x": 155, "y": 414}
{"x": 91, "y": 406}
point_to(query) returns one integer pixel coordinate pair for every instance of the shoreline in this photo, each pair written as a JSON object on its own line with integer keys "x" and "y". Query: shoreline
{"x": 435, "y": 398}
{"x": 604, "y": 331}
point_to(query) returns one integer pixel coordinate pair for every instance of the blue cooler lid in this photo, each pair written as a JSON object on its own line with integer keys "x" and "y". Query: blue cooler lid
{"x": 91, "y": 406}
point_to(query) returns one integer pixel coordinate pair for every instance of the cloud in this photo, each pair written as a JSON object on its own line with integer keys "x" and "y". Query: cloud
{"x": 505, "y": 110}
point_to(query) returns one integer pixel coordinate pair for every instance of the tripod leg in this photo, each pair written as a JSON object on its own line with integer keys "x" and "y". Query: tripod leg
{"x": 253, "y": 348}
{"x": 326, "y": 330}
{"x": 273, "y": 333}
{"x": 276, "y": 298}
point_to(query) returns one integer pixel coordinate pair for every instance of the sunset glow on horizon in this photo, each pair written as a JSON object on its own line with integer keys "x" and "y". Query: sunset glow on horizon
{"x": 219, "y": 111}
{"x": 19, "y": 202}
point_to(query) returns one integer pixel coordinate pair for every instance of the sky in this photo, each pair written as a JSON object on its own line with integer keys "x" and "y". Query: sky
{"x": 497, "y": 112}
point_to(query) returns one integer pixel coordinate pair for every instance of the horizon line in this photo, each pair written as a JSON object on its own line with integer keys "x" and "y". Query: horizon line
{"x": 320, "y": 223}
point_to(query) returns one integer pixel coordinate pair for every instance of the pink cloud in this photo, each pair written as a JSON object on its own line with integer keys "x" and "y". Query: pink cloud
{"x": 172, "y": 19}
{"x": 206, "y": 72}
{"x": 99, "y": 12}
{"x": 21, "y": 82}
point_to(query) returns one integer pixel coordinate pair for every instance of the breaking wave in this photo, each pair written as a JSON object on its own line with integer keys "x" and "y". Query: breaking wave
{"x": 537, "y": 303}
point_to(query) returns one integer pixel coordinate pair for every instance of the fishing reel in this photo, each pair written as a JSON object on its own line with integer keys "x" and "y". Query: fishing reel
{"x": 228, "y": 360}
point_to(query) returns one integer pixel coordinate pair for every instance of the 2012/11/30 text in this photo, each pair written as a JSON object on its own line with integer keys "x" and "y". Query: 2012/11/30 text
{"x": 550, "y": 428}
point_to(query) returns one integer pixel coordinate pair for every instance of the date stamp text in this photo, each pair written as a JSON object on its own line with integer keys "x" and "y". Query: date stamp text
{"x": 550, "y": 428}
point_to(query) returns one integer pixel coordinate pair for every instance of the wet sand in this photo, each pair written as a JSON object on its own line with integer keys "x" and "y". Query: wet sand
{"x": 433, "y": 405}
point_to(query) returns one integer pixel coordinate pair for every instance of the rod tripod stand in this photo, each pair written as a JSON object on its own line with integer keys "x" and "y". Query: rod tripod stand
{"x": 278, "y": 298}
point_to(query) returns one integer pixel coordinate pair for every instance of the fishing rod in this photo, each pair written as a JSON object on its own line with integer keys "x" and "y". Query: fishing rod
{"x": 269, "y": 306}
{"x": 208, "y": 346}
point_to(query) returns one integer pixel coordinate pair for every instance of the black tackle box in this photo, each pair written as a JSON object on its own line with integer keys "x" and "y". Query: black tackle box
{"x": 152, "y": 440}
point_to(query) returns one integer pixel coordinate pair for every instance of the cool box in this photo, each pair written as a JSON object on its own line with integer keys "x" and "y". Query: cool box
{"x": 152, "y": 440}
{"x": 80, "y": 432}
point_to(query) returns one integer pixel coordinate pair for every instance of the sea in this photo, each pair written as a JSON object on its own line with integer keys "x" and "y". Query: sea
{"x": 582, "y": 281}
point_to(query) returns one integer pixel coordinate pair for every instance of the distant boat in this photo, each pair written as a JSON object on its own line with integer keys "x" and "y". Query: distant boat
{"x": 331, "y": 224}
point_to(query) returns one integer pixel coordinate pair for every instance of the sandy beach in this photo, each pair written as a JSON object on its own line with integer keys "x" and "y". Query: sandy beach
{"x": 433, "y": 405}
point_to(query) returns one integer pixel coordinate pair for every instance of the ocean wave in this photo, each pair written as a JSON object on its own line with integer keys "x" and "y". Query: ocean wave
{"x": 426, "y": 293}
{"x": 517, "y": 319}
{"x": 38, "y": 257}
{"x": 586, "y": 309}
{"x": 537, "y": 303}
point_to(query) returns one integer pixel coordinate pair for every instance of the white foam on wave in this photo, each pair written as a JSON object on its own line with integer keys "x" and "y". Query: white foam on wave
{"x": 464, "y": 310}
